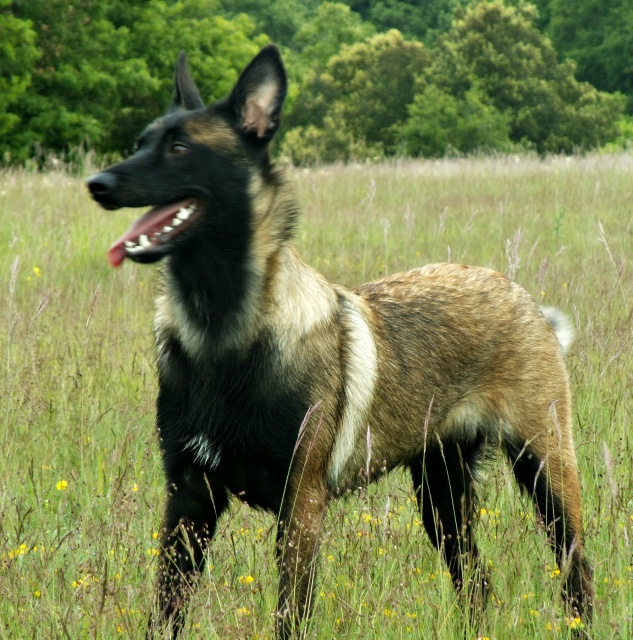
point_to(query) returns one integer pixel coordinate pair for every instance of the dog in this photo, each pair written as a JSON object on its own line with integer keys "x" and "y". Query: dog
{"x": 287, "y": 391}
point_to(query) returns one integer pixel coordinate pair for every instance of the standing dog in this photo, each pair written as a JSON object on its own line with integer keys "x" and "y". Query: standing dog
{"x": 285, "y": 390}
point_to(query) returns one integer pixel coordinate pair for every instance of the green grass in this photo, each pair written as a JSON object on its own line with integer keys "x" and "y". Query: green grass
{"x": 80, "y": 474}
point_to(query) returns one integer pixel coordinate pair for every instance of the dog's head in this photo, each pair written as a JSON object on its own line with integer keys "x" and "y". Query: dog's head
{"x": 193, "y": 165}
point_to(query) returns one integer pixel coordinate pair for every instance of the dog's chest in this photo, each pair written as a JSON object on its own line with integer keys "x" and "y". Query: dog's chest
{"x": 254, "y": 470}
{"x": 236, "y": 417}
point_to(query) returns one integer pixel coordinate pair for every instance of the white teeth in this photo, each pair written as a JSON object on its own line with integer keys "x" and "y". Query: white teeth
{"x": 143, "y": 242}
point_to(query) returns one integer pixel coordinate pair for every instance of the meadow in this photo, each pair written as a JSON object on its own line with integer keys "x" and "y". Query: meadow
{"x": 80, "y": 473}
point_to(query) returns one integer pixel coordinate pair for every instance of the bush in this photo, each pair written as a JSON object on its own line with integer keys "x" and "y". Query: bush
{"x": 440, "y": 123}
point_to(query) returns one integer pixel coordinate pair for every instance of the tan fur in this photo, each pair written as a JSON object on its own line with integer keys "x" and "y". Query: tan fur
{"x": 256, "y": 116}
{"x": 215, "y": 134}
{"x": 477, "y": 349}
{"x": 460, "y": 351}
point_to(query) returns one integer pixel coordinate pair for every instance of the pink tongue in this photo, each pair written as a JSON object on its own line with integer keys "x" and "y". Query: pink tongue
{"x": 154, "y": 220}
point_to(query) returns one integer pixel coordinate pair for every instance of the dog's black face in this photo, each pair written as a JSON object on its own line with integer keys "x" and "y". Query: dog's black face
{"x": 158, "y": 175}
{"x": 192, "y": 165}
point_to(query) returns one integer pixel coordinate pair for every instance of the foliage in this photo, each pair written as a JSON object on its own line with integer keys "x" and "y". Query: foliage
{"x": 543, "y": 8}
{"x": 420, "y": 19}
{"x": 217, "y": 50}
{"x": 498, "y": 51}
{"x": 333, "y": 26}
{"x": 94, "y": 72}
{"x": 17, "y": 57}
{"x": 280, "y": 20}
{"x": 361, "y": 97}
{"x": 598, "y": 36}
{"x": 64, "y": 103}
{"x": 624, "y": 139}
{"x": 103, "y": 74}
{"x": 333, "y": 141}
{"x": 440, "y": 123}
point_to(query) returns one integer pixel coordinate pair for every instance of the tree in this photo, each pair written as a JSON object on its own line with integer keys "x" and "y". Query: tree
{"x": 279, "y": 20}
{"x": 421, "y": 19}
{"x": 360, "y": 98}
{"x": 499, "y": 51}
{"x": 333, "y": 26}
{"x": 17, "y": 57}
{"x": 440, "y": 123}
{"x": 105, "y": 67}
{"x": 74, "y": 96}
{"x": 217, "y": 50}
{"x": 544, "y": 12}
{"x": 598, "y": 36}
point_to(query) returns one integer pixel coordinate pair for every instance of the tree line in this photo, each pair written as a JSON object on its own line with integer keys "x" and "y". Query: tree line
{"x": 369, "y": 78}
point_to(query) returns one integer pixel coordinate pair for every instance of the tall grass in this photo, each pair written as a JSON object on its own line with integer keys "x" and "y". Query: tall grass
{"x": 80, "y": 474}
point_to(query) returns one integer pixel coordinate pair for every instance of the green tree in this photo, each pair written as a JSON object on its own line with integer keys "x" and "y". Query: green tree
{"x": 598, "y": 36}
{"x": 544, "y": 12}
{"x": 333, "y": 26}
{"x": 278, "y": 19}
{"x": 440, "y": 123}
{"x": 499, "y": 51}
{"x": 360, "y": 98}
{"x": 74, "y": 94}
{"x": 17, "y": 57}
{"x": 104, "y": 67}
{"x": 217, "y": 49}
{"x": 421, "y": 19}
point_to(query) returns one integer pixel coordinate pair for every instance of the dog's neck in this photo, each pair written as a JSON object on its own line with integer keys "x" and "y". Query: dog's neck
{"x": 216, "y": 302}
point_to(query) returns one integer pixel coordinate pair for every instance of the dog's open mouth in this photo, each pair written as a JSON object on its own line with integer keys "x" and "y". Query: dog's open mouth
{"x": 147, "y": 239}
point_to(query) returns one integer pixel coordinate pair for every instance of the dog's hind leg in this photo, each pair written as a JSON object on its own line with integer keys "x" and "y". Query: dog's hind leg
{"x": 193, "y": 507}
{"x": 546, "y": 468}
{"x": 443, "y": 483}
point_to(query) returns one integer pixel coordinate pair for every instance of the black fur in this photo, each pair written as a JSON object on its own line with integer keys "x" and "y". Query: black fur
{"x": 443, "y": 480}
{"x": 251, "y": 422}
{"x": 531, "y": 474}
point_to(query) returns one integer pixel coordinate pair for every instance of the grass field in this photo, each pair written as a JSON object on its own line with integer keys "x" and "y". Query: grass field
{"x": 80, "y": 474}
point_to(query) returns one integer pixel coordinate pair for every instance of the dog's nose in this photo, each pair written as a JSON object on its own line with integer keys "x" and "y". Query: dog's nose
{"x": 102, "y": 184}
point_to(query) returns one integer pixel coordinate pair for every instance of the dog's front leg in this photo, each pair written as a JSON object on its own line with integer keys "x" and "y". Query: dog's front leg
{"x": 193, "y": 507}
{"x": 300, "y": 524}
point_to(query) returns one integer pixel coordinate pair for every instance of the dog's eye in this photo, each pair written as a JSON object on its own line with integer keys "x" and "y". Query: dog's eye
{"x": 178, "y": 148}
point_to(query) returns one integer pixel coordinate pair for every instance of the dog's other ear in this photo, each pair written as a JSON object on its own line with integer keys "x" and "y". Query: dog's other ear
{"x": 186, "y": 94}
{"x": 259, "y": 94}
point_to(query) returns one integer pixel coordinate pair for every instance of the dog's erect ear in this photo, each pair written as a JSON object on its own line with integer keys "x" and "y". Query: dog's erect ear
{"x": 186, "y": 94}
{"x": 259, "y": 94}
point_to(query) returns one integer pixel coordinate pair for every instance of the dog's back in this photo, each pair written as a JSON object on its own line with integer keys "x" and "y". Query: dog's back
{"x": 457, "y": 352}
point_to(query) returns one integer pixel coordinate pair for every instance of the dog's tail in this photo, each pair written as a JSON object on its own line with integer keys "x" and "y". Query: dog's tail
{"x": 562, "y": 326}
